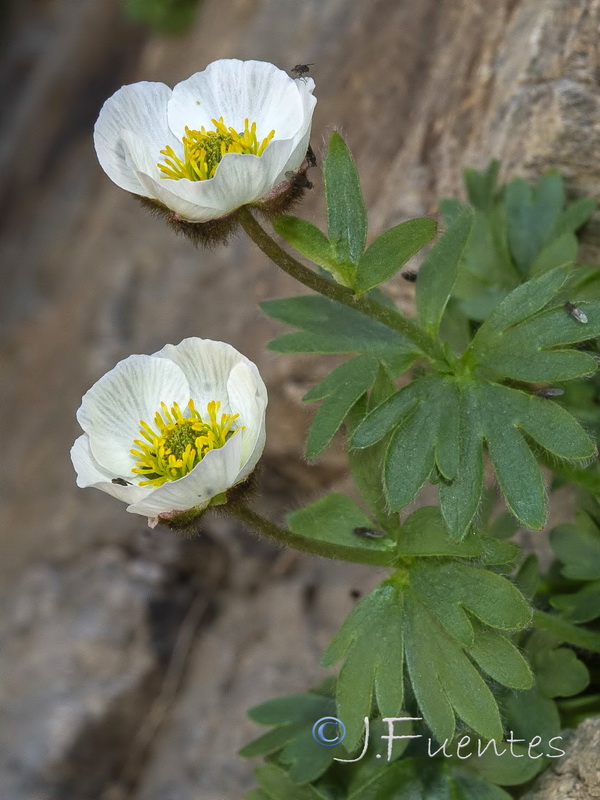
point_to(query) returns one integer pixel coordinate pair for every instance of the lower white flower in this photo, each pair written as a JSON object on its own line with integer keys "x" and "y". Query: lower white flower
{"x": 173, "y": 431}
{"x": 223, "y": 138}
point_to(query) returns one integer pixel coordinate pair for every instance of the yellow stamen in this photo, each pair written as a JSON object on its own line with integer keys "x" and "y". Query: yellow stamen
{"x": 179, "y": 442}
{"x": 203, "y": 150}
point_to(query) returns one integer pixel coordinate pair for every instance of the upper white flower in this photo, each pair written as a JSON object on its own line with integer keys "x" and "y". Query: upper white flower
{"x": 146, "y": 126}
{"x": 174, "y": 429}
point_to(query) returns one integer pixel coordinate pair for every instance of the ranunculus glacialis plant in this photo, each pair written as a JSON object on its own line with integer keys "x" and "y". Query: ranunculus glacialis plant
{"x": 224, "y": 138}
{"x": 173, "y": 431}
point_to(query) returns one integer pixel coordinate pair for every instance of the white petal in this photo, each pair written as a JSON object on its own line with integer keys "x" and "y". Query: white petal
{"x": 257, "y": 439}
{"x": 302, "y": 139}
{"x": 214, "y": 474}
{"x": 238, "y": 90}
{"x": 240, "y": 178}
{"x": 111, "y": 410}
{"x": 91, "y": 473}
{"x": 207, "y": 366}
{"x": 131, "y": 131}
{"x": 247, "y": 399}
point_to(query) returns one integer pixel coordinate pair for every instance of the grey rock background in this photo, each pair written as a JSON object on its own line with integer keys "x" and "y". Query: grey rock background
{"x": 128, "y": 658}
{"x": 577, "y": 775}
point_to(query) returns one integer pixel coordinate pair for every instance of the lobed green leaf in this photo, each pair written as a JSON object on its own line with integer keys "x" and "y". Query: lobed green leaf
{"x": 346, "y": 212}
{"x": 438, "y": 272}
{"x": 340, "y": 390}
{"x": 390, "y": 251}
{"x": 578, "y": 547}
{"x": 459, "y": 499}
{"x": 307, "y": 239}
{"x": 581, "y": 606}
{"x": 333, "y": 519}
{"x": 523, "y": 302}
{"x": 532, "y": 214}
{"x": 330, "y": 327}
{"x": 371, "y": 640}
{"x": 443, "y": 679}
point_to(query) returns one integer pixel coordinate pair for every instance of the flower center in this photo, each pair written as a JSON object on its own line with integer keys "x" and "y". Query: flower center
{"x": 203, "y": 150}
{"x": 179, "y": 443}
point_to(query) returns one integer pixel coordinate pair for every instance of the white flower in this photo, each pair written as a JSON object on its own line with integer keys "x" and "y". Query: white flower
{"x": 166, "y": 144}
{"x": 171, "y": 431}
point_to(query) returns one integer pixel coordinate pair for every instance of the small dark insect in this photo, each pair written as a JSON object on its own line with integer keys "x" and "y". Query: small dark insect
{"x": 576, "y": 313}
{"x": 410, "y": 276}
{"x": 369, "y": 533}
{"x": 120, "y": 482}
{"x": 355, "y": 593}
{"x": 299, "y": 180}
{"x": 549, "y": 392}
{"x": 301, "y": 70}
{"x": 311, "y": 157}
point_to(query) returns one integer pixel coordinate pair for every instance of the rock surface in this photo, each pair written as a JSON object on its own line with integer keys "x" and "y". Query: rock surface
{"x": 128, "y": 662}
{"x": 577, "y": 775}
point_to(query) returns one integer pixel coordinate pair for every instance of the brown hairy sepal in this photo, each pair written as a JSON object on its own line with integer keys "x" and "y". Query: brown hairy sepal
{"x": 288, "y": 193}
{"x": 205, "y": 234}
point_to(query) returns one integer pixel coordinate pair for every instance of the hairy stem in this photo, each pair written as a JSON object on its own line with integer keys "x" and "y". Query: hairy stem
{"x": 386, "y": 316}
{"x": 316, "y": 547}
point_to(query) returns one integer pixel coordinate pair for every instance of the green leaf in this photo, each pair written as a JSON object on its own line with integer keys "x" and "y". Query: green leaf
{"x": 410, "y": 455}
{"x": 470, "y": 787}
{"x": 308, "y": 240}
{"x": 459, "y": 499}
{"x": 341, "y": 389}
{"x": 292, "y": 708}
{"x": 561, "y": 673}
{"x": 521, "y": 352}
{"x": 497, "y": 656}
{"x": 528, "y": 576}
{"x": 581, "y": 606}
{"x": 276, "y": 784}
{"x": 523, "y": 302}
{"x": 438, "y": 272}
{"x": 504, "y": 769}
{"x": 390, "y": 251}
{"x": 443, "y": 679}
{"x": 330, "y": 327}
{"x": 529, "y": 713}
{"x": 371, "y": 640}
{"x": 365, "y": 464}
{"x": 576, "y": 215}
{"x": 292, "y": 738}
{"x": 558, "y": 252}
{"x": 450, "y": 589}
{"x": 548, "y": 423}
{"x": 333, "y": 519}
{"x": 566, "y": 632}
{"x": 450, "y": 209}
{"x": 346, "y": 213}
{"x": 517, "y": 472}
{"x": 382, "y": 419}
{"x": 425, "y": 534}
{"x": 504, "y": 526}
{"x": 426, "y": 435}
{"x": 400, "y": 780}
{"x": 532, "y": 214}
{"x": 481, "y": 186}
{"x": 578, "y": 547}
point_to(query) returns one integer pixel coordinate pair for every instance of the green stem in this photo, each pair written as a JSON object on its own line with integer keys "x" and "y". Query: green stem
{"x": 386, "y": 316}
{"x": 316, "y": 547}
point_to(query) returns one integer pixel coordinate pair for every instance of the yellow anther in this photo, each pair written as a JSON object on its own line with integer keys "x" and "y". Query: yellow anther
{"x": 203, "y": 150}
{"x": 180, "y": 441}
